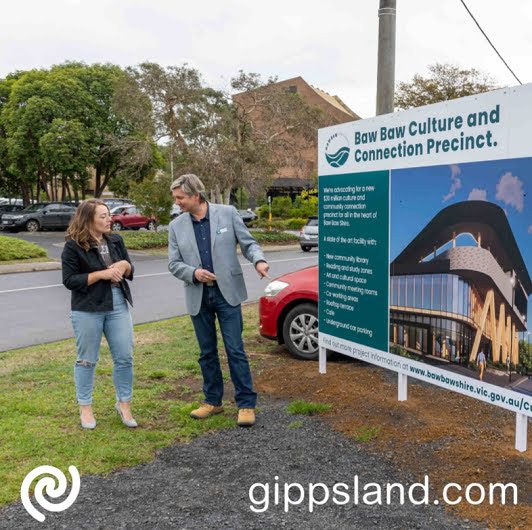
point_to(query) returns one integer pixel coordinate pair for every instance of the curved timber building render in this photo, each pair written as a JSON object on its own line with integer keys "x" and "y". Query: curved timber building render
{"x": 466, "y": 298}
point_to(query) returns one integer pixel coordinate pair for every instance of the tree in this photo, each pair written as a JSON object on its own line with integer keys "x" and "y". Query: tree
{"x": 445, "y": 82}
{"x": 153, "y": 198}
{"x": 230, "y": 142}
{"x": 120, "y": 127}
{"x": 65, "y": 150}
{"x": 36, "y": 100}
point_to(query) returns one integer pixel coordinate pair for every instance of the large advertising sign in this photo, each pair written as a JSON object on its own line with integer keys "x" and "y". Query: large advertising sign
{"x": 425, "y": 241}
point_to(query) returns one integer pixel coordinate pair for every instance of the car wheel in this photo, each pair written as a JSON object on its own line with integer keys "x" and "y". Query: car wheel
{"x": 116, "y": 226}
{"x": 305, "y": 249}
{"x": 33, "y": 226}
{"x": 151, "y": 226}
{"x": 300, "y": 332}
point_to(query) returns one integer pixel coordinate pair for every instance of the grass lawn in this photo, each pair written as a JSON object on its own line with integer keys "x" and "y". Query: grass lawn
{"x": 40, "y": 419}
{"x": 28, "y": 260}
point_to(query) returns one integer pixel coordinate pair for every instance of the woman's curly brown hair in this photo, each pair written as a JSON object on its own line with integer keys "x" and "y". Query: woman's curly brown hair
{"x": 81, "y": 228}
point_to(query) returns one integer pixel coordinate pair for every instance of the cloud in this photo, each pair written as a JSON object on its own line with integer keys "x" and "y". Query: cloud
{"x": 510, "y": 191}
{"x": 456, "y": 183}
{"x": 455, "y": 170}
{"x": 477, "y": 194}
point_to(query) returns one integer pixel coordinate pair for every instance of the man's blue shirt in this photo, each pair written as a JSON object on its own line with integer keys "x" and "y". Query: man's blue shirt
{"x": 202, "y": 231}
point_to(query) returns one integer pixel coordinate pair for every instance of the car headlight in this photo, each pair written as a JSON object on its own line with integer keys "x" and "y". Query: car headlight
{"x": 15, "y": 217}
{"x": 275, "y": 287}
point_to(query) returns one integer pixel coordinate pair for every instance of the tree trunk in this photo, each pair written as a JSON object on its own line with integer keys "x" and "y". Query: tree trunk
{"x": 227, "y": 197}
{"x": 97, "y": 182}
{"x": 26, "y": 193}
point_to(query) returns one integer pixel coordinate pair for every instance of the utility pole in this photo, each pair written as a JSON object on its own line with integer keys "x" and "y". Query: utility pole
{"x": 386, "y": 57}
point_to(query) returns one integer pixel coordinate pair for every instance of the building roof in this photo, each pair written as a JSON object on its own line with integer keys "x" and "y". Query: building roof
{"x": 335, "y": 101}
{"x": 473, "y": 217}
{"x": 289, "y": 182}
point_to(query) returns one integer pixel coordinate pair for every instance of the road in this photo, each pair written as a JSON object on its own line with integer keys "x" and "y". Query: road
{"x": 35, "y": 306}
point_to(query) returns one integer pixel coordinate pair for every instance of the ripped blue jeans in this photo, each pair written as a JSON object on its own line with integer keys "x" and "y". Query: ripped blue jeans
{"x": 117, "y": 327}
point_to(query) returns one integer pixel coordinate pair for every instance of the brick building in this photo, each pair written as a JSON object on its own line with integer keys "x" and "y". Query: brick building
{"x": 293, "y": 178}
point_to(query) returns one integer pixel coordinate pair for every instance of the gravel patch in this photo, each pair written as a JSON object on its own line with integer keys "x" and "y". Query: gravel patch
{"x": 205, "y": 484}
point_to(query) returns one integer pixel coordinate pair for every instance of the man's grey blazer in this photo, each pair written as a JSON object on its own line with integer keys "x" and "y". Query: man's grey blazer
{"x": 227, "y": 228}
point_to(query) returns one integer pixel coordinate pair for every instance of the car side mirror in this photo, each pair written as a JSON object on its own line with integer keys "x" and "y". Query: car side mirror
{"x": 44, "y": 212}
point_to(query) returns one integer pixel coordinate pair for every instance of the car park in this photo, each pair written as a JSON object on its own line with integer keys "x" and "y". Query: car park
{"x": 40, "y": 216}
{"x": 175, "y": 211}
{"x": 130, "y": 217}
{"x": 9, "y": 208}
{"x": 248, "y": 216}
{"x": 308, "y": 237}
{"x": 113, "y": 202}
{"x": 288, "y": 312}
{"x": 4, "y": 201}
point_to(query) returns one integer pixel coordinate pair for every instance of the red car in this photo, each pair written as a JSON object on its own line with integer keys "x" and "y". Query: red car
{"x": 128, "y": 216}
{"x": 288, "y": 312}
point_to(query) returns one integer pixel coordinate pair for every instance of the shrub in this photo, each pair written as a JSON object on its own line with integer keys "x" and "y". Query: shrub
{"x": 141, "y": 240}
{"x": 13, "y": 249}
{"x": 296, "y": 223}
{"x": 278, "y": 225}
{"x": 273, "y": 237}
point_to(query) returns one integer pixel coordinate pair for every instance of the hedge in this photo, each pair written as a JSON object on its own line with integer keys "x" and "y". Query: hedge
{"x": 145, "y": 240}
{"x": 273, "y": 237}
{"x": 12, "y": 248}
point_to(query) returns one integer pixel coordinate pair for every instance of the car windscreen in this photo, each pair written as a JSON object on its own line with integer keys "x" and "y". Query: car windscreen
{"x": 312, "y": 222}
{"x": 34, "y": 207}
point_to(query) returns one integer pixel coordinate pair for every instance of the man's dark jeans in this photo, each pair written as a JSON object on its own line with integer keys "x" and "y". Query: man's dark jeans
{"x": 231, "y": 325}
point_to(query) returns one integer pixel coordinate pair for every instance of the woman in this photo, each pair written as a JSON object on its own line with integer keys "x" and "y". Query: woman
{"x": 95, "y": 265}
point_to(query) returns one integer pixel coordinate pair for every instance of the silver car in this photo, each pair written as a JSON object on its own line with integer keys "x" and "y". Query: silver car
{"x": 308, "y": 237}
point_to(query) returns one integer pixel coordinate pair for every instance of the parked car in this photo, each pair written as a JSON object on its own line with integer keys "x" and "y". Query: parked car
{"x": 130, "y": 217}
{"x": 113, "y": 202}
{"x": 39, "y": 216}
{"x": 288, "y": 312}
{"x": 248, "y": 216}
{"x": 4, "y": 201}
{"x": 175, "y": 211}
{"x": 9, "y": 208}
{"x": 308, "y": 236}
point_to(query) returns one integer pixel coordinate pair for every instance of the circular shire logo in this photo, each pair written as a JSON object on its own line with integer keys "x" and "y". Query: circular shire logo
{"x": 337, "y": 150}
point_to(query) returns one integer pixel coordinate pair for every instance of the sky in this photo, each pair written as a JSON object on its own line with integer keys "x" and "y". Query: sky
{"x": 332, "y": 45}
{"x": 418, "y": 194}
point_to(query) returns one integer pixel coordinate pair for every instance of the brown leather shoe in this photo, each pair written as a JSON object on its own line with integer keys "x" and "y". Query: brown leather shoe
{"x": 205, "y": 411}
{"x": 246, "y": 417}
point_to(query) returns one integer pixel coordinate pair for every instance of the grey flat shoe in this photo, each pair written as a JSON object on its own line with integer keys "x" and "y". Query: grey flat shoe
{"x": 128, "y": 423}
{"x": 87, "y": 424}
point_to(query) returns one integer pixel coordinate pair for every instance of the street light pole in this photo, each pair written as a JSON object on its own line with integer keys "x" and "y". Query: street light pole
{"x": 386, "y": 57}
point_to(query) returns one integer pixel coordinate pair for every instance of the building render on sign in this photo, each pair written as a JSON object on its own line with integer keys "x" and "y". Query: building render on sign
{"x": 466, "y": 298}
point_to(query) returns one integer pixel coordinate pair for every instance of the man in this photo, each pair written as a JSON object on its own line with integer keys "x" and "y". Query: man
{"x": 202, "y": 252}
{"x": 481, "y": 363}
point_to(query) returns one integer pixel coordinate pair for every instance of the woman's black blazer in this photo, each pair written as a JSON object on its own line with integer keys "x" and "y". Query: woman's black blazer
{"x": 78, "y": 263}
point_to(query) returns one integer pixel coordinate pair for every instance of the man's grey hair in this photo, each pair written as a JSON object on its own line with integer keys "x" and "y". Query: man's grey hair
{"x": 191, "y": 185}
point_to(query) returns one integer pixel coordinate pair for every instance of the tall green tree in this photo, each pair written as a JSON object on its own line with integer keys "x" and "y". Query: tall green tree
{"x": 444, "y": 82}
{"x": 120, "y": 132}
{"x": 36, "y": 99}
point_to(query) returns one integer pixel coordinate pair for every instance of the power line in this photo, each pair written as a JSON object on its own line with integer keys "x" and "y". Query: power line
{"x": 491, "y": 44}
